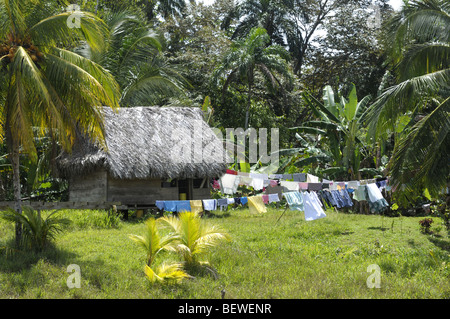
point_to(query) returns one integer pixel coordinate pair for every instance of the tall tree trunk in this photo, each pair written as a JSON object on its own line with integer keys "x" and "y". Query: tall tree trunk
{"x": 249, "y": 103}
{"x": 378, "y": 155}
{"x": 15, "y": 161}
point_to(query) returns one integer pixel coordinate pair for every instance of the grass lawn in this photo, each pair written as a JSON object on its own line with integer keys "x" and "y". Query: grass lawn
{"x": 293, "y": 258}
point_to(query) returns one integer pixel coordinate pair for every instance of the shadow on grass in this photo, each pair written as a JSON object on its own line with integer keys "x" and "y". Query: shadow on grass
{"x": 14, "y": 260}
{"x": 441, "y": 243}
{"x": 378, "y": 228}
{"x": 217, "y": 214}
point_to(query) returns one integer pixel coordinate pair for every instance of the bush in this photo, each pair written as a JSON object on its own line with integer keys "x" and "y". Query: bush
{"x": 37, "y": 231}
{"x": 425, "y": 225}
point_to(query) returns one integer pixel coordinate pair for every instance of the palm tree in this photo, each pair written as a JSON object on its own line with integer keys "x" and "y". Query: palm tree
{"x": 153, "y": 243}
{"x": 250, "y": 55}
{"x": 290, "y": 23}
{"x": 38, "y": 231}
{"x": 195, "y": 236}
{"x": 167, "y": 8}
{"x": 134, "y": 56}
{"x": 420, "y": 54}
{"x": 44, "y": 84}
{"x": 266, "y": 14}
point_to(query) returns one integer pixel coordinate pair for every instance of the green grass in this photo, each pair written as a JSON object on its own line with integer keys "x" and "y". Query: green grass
{"x": 327, "y": 258}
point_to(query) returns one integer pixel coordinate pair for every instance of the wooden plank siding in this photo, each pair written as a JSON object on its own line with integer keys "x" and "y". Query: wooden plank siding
{"x": 139, "y": 192}
{"x": 89, "y": 188}
{"x": 100, "y": 186}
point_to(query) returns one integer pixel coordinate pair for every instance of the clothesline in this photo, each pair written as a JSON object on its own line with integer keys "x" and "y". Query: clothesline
{"x": 311, "y": 202}
{"x": 230, "y": 181}
{"x": 256, "y": 203}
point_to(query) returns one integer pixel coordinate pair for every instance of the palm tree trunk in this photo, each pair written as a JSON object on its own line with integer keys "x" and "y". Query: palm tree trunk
{"x": 249, "y": 103}
{"x": 15, "y": 161}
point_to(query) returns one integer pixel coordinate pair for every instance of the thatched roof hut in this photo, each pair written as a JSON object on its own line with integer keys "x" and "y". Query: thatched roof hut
{"x": 143, "y": 144}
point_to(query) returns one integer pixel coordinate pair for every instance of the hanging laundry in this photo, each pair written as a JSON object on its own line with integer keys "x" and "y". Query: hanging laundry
{"x": 290, "y": 186}
{"x": 210, "y": 204}
{"x": 159, "y": 204}
{"x": 376, "y": 201}
{"x": 257, "y": 184}
{"x": 294, "y": 200}
{"x": 183, "y": 206}
{"x": 229, "y": 183}
{"x": 276, "y": 176}
{"x": 170, "y": 206}
{"x": 256, "y": 205}
{"x": 230, "y": 201}
{"x": 303, "y": 186}
{"x": 314, "y": 196}
{"x": 245, "y": 180}
{"x": 237, "y": 200}
{"x": 323, "y": 198}
{"x": 258, "y": 175}
{"x": 244, "y": 200}
{"x": 374, "y": 192}
{"x": 222, "y": 202}
{"x": 381, "y": 184}
{"x": 273, "y": 183}
{"x": 353, "y": 184}
{"x": 287, "y": 176}
{"x": 314, "y": 186}
{"x": 346, "y": 198}
{"x": 337, "y": 199}
{"x": 196, "y": 206}
{"x": 311, "y": 178}
{"x": 232, "y": 172}
{"x": 273, "y": 198}
{"x": 330, "y": 198}
{"x": 265, "y": 199}
{"x": 312, "y": 207}
{"x": 244, "y": 174}
{"x": 333, "y": 186}
{"x": 360, "y": 194}
{"x": 299, "y": 177}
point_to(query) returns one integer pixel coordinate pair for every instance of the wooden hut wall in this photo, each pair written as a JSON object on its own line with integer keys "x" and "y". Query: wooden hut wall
{"x": 139, "y": 191}
{"x": 100, "y": 186}
{"x": 200, "y": 189}
{"x": 91, "y": 187}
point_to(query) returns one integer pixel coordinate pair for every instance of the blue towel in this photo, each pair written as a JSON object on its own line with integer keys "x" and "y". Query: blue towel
{"x": 170, "y": 205}
{"x": 244, "y": 200}
{"x": 159, "y": 204}
{"x": 183, "y": 205}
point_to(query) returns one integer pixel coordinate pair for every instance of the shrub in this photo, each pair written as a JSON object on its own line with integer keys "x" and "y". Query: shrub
{"x": 153, "y": 243}
{"x": 37, "y": 231}
{"x": 425, "y": 225}
{"x": 195, "y": 236}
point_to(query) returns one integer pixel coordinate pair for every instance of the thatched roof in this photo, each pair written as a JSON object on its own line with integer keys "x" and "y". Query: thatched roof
{"x": 150, "y": 142}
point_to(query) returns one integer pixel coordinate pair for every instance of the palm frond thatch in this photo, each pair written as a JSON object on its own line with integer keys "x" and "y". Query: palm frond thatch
{"x": 150, "y": 142}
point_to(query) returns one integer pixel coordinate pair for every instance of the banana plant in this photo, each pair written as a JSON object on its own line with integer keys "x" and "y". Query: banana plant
{"x": 339, "y": 125}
